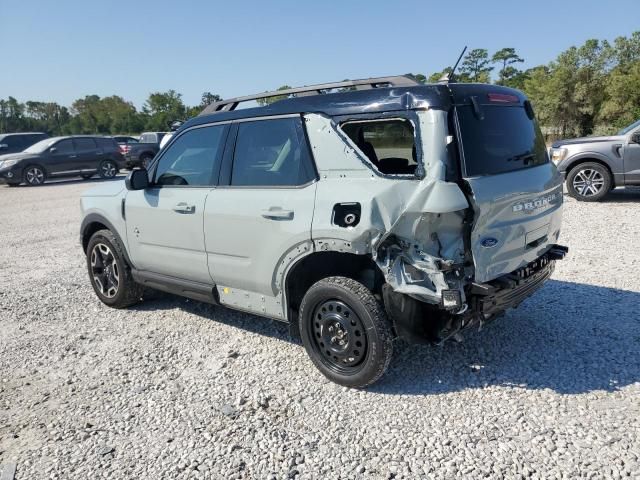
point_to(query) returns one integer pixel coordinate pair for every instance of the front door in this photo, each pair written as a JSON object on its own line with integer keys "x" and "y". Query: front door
{"x": 164, "y": 222}
{"x": 266, "y": 207}
{"x": 62, "y": 158}
{"x": 632, "y": 159}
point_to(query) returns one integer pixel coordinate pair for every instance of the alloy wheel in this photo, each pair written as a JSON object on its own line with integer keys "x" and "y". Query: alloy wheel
{"x": 34, "y": 176}
{"x": 339, "y": 336}
{"x": 105, "y": 271}
{"x": 588, "y": 182}
{"x": 108, "y": 170}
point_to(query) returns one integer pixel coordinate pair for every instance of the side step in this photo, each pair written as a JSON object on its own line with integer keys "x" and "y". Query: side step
{"x": 202, "y": 292}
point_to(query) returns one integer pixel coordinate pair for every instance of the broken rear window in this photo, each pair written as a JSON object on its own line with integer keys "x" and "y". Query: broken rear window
{"x": 389, "y": 144}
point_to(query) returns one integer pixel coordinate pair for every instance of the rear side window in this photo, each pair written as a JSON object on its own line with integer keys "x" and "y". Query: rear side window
{"x": 14, "y": 141}
{"x": 148, "y": 138}
{"x": 499, "y": 139}
{"x": 108, "y": 143}
{"x": 84, "y": 144}
{"x": 192, "y": 159}
{"x": 388, "y": 144}
{"x": 271, "y": 153}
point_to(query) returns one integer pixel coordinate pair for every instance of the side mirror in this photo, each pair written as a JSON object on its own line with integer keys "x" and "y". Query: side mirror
{"x": 635, "y": 138}
{"x": 53, "y": 150}
{"x": 3, "y": 146}
{"x": 137, "y": 179}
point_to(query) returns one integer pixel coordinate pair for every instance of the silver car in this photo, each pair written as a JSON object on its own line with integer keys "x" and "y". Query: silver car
{"x": 595, "y": 165}
{"x": 357, "y": 212}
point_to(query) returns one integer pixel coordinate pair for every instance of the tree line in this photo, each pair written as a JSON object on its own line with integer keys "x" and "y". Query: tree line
{"x": 590, "y": 89}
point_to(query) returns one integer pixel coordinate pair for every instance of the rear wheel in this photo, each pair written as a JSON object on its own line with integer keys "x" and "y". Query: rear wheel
{"x": 346, "y": 332}
{"x": 109, "y": 273}
{"x": 108, "y": 169}
{"x": 34, "y": 175}
{"x": 589, "y": 182}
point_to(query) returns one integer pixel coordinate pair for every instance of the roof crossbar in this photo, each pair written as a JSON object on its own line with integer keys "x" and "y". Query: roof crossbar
{"x": 363, "y": 84}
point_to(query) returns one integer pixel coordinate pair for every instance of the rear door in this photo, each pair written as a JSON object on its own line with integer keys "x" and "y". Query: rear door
{"x": 164, "y": 222}
{"x": 266, "y": 207}
{"x": 516, "y": 192}
{"x": 88, "y": 156}
{"x": 632, "y": 158}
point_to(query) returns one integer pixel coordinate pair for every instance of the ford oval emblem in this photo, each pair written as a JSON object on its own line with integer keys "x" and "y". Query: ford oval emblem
{"x": 489, "y": 242}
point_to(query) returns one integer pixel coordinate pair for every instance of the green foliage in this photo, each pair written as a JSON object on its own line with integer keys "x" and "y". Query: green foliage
{"x": 506, "y": 57}
{"x": 476, "y": 65}
{"x": 94, "y": 115}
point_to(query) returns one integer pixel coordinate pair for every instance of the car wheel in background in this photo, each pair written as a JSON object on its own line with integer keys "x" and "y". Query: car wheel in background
{"x": 146, "y": 160}
{"x": 34, "y": 175}
{"x": 108, "y": 169}
{"x": 589, "y": 182}
{"x": 109, "y": 273}
{"x": 346, "y": 332}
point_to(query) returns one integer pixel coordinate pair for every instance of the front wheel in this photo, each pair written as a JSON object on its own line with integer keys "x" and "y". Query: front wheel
{"x": 108, "y": 169}
{"x": 109, "y": 273}
{"x": 589, "y": 182}
{"x": 34, "y": 175}
{"x": 346, "y": 332}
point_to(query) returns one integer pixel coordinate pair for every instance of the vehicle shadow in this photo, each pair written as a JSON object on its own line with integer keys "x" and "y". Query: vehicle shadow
{"x": 570, "y": 338}
{"x": 623, "y": 195}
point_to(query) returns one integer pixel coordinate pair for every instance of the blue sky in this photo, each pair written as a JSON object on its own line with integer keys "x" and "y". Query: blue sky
{"x": 62, "y": 50}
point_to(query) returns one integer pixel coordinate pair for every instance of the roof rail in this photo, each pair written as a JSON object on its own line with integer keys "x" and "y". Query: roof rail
{"x": 363, "y": 84}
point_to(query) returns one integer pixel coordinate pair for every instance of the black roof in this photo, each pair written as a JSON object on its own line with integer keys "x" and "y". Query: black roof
{"x": 376, "y": 100}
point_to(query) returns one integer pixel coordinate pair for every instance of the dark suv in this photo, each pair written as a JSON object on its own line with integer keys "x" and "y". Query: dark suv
{"x": 17, "y": 142}
{"x": 82, "y": 156}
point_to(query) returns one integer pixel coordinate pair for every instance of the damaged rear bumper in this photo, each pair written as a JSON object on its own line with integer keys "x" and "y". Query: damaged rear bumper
{"x": 508, "y": 291}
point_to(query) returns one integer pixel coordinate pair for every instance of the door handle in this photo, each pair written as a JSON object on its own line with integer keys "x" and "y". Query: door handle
{"x": 277, "y": 213}
{"x": 72, "y": 156}
{"x": 182, "y": 207}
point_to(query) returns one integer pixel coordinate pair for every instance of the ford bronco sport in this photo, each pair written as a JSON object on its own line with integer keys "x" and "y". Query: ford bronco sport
{"x": 356, "y": 211}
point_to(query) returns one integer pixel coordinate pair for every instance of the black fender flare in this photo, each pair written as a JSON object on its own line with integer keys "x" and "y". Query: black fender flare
{"x": 93, "y": 218}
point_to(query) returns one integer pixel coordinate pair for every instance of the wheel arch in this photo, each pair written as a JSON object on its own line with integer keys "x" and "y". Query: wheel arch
{"x": 95, "y": 222}
{"x": 318, "y": 265}
{"x": 590, "y": 159}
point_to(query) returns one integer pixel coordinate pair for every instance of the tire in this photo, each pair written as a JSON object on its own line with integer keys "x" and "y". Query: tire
{"x": 346, "y": 332}
{"x": 145, "y": 161}
{"x": 589, "y": 182}
{"x": 34, "y": 175}
{"x": 109, "y": 273}
{"x": 108, "y": 169}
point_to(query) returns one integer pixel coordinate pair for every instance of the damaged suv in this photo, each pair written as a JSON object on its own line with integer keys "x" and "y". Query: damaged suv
{"x": 356, "y": 211}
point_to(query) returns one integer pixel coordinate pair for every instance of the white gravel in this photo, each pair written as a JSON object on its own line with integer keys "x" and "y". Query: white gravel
{"x": 178, "y": 389}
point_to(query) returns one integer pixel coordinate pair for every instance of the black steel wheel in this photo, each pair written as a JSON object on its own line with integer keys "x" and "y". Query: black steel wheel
{"x": 34, "y": 175}
{"x": 346, "y": 332}
{"x": 109, "y": 273}
{"x": 108, "y": 169}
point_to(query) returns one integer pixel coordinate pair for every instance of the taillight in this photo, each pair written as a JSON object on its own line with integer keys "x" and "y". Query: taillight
{"x": 124, "y": 149}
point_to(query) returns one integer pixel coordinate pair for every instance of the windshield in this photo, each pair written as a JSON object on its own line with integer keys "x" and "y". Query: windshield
{"x": 626, "y": 130}
{"x": 41, "y": 146}
{"x": 502, "y": 139}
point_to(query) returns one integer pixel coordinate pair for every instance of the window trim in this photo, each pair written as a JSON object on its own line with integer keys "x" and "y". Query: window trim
{"x": 77, "y": 149}
{"x": 215, "y": 175}
{"x": 228, "y": 158}
{"x": 381, "y": 117}
{"x": 73, "y": 146}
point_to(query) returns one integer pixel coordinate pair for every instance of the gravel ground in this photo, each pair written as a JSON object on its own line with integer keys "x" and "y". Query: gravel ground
{"x": 177, "y": 389}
